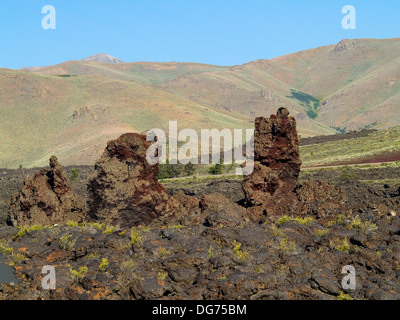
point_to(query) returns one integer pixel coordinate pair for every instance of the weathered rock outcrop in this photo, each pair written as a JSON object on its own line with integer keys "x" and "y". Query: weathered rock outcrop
{"x": 123, "y": 189}
{"x": 272, "y": 188}
{"x": 276, "y": 163}
{"x": 46, "y": 199}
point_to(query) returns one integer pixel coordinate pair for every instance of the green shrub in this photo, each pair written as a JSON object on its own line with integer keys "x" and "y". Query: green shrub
{"x": 109, "y": 230}
{"x": 282, "y": 220}
{"x": 162, "y": 252}
{"x": 281, "y": 270}
{"x": 240, "y": 256}
{"x": 286, "y": 246}
{"x": 72, "y": 224}
{"x": 364, "y": 226}
{"x": 189, "y": 169}
{"x": 216, "y": 169}
{"x": 78, "y": 274}
{"x": 96, "y": 225}
{"x": 322, "y": 232}
{"x": 23, "y": 230}
{"x": 306, "y": 221}
{"x": 339, "y": 245}
{"x": 162, "y": 275}
{"x": 74, "y": 174}
{"x": 103, "y": 264}
{"x": 276, "y": 232}
{"x": 65, "y": 244}
{"x": 128, "y": 266}
{"x": 17, "y": 258}
{"x": 167, "y": 170}
{"x": 137, "y": 235}
{"x": 343, "y": 296}
{"x": 4, "y": 248}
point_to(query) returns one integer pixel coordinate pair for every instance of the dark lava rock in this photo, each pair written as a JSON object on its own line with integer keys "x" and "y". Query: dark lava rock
{"x": 123, "y": 189}
{"x": 46, "y": 199}
{"x": 273, "y": 187}
{"x": 220, "y": 211}
{"x": 276, "y": 163}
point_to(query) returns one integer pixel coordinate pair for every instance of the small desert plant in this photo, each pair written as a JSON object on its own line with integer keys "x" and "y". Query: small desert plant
{"x": 74, "y": 174}
{"x": 364, "y": 226}
{"x": 189, "y": 169}
{"x": 339, "y": 219}
{"x": 281, "y": 269}
{"x": 354, "y": 223}
{"x": 343, "y": 296}
{"x": 92, "y": 255}
{"x": 78, "y": 274}
{"x": 137, "y": 235}
{"x": 339, "y": 245}
{"x": 162, "y": 252}
{"x": 260, "y": 268}
{"x": 210, "y": 252}
{"x": 4, "y": 248}
{"x": 17, "y": 258}
{"x": 276, "y": 232}
{"x": 103, "y": 264}
{"x": 177, "y": 226}
{"x": 72, "y": 224}
{"x": 282, "y": 220}
{"x": 26, "y": 229}
{"x": 286, "y": 246}
{"x": 216, "y": 169}
{"x": 322, "y": 232}
{"x": 162, "y": 275}
{"x": 109, "y": 230}
{"x": 65, "y": 244}
{"x": 240, "y": 256}
{"x": 305, "y": 221}
{"x": 128, "y": 265}
{"x": 96, "y": 225}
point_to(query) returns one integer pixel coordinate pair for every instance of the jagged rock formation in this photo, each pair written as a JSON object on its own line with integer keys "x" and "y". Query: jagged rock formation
{"x": 276, "y": 162}
{"x": 273, "y": 186}
{"x": 123, "y": 189}
{"x": 46, "y": 199}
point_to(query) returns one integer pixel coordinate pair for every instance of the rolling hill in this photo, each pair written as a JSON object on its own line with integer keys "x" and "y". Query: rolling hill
{"x": 71, "y": 109}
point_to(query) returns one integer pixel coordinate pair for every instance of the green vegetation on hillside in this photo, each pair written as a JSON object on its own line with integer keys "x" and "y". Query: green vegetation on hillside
{"x": 309, "y": 103}
{"x": 379, "y": 142}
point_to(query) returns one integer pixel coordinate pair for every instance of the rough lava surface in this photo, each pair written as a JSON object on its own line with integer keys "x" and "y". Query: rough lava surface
{"x": 46, "y": 199}
{"x": 273, "y": 188}
{"x": 124, "y": 190}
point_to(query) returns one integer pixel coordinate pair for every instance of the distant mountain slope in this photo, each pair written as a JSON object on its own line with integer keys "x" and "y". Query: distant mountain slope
{"x": 103, "y": 58}
{"x": 71, "y": 109}
{"x": 73, "y": 117}
{"x": 348, "y": 86}
{"x": 147, "y": 72}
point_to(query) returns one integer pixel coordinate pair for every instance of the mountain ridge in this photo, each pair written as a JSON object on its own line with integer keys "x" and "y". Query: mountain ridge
{"x": 104, "y": 58}
{"x": 341, "y": 87}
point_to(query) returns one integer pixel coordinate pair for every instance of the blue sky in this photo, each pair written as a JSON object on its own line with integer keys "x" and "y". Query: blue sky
{"x": 222, "y": 32}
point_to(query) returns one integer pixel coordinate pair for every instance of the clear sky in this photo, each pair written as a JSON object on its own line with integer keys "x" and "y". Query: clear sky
{"x": 222, "y": 32}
